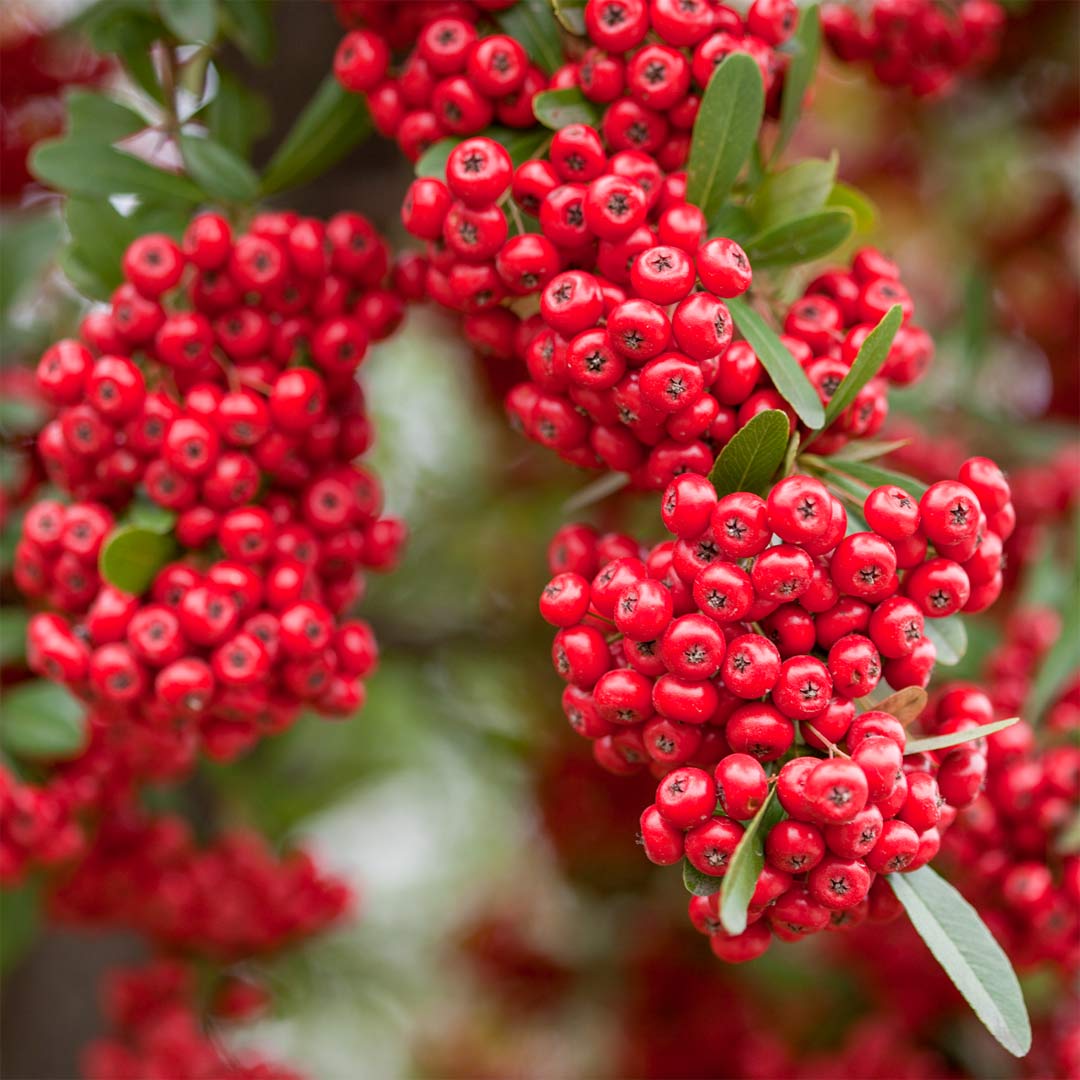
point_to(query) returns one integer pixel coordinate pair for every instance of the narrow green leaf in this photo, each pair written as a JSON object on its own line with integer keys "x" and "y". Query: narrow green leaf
{"x": 794, "y": 192}
{"x": 751, "y": 458}
{"x": 725, "y": 130}
{"x": 799, "y": 75}
{"x": 1068, "y": 840}
{"x": 571, "y": 15}
{"x": 868, "y": 449}
{"x": 19, "y": 919}
{"x": 698, "y": 883}
{"x": 249, "y": 24}
{"x": 13, "y": 622}
{"x": 99, "y": 117}
{"x": 42, "y": 721}
{"x": 844, "y": 195}
{"x": 84, "y": 278}
{"x": 332, "y": 123}
{"x": 85, "y": 166}
{"x": 743, "y": 870}
{"x": 533, "y": 27}
{"x": 557, "y": 109}
{"x": 956, "y": 738}
{"x": 801, "y": 239}
{"x": 949, "y": 636}
{"x": 237, "y": 116}
{"x": 868, "y": 362}
{"x": 190, "y": 20}
{"x": 133, "y": 555}
{"x": 128, "y": 28}
{"x": 788, "y": 377}
{"x": 218, "y": 171}
{"x": 28, "y": 242}
{"x": 871, "y": 475}
{"x": 1058, "y": 665}
{"x": 965, "y": 948}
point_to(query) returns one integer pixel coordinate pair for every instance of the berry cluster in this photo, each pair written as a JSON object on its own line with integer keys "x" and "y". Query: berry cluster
{"x": 240, "y": 415}
{"x": 749, "y": 638}
{"x": 918, "y": 44}
{"x": 454, "y": 80}
{"x": 231, "y": 900}
{"x": 158, "y": 1031}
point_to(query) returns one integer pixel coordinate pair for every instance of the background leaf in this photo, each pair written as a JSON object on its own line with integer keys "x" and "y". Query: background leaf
{"x": 788, "y": 377}
{"x": 965, "y": 948}
{"x": 871, "y": 475}
{"x": 751, "y": 458}
{"x": 859, "y": 204}
{"x": 13, "y": 622}
{"x": 957, "y": 738}
{"x": 949, "y": 636}
{"x": 42, "y": 721}
{"x": 725, "y": 131}
{"x": 794, "y": 192}
{"x": 249, "y": 25}
{"x": 190, "y": 20}
{"x": 99, "y": 117}
{"x": 557, "y": 109}
{"x": 19, "y": 920}
{"x": 801, "y": 239}
{"x": 132, "y": 556}
{"x": 872, "y": 355}
{"x": 220, "y": 172}
{"x": 99, "y": 237}
{"x": 534, "y": 28}
{"x": 799, "y": 75}
{"x": 739, "y": 882}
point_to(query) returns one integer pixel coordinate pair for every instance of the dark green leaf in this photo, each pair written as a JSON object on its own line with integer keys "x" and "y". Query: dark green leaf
{"x": 801, "y": 239}
{"x": 788, "y": 377}
{"x": 133, "y": 555}
{"x": 871, "y": 475}
{"x": 698, "y": 883}
{"x": 844, "y": 195}
{"x": 171, "y": 220}
{"x": 13, "y": 622}
{"x": 129, "y": 29}
{"x": 83, "y": 277}
{"x": 571, "y": 15}
{"x": 42, "y": 721}
{"x": 1058, "y": 665}
{"x": 725, "y": 131}
{"x": 751, "y": 458}
{"x": 799, "y": 75}
{"x": 190, "y": 20}
{"x": 734, "y": 222}
{"x": 100, "y": 118}
{"x": 27, "y": 244}
{"x": 249, "y": 24}
{"x": 332, "y": 123}
{"x": 868, "y": 362}
{"x": 84, "y": 166}
{"x": 557, "y": 109}
{"x": 965, "y": 948}
{"x": 949, "y": 636}
{"x": 237, "y": 116}
{"x": 99, "y": 236}
{"x": 19, "y": 918}
{"x": 956, "y": 738}
{"x": 532, "y": 25}
{"x": 796, "y": 191}
{"x": 1068, "y": 840}
{"x": 745, "y": 866}
{"x": 218, "y": 171}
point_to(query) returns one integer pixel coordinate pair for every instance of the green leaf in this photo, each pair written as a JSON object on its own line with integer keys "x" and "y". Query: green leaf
{"x": 868, "y": 362}
{"x": 788, "y": 377}
{"x": 698, "y": 883}
{"x": 533, "y": 26}
{"x": 844, "y": 195}
{"x": 149, "y": 515}
{"x": 965, "y": 948}
{"x": 100, "y": 118}
{"x": 796, "y": 191}
{"x": 13, "y": 622}
{"x": 725, "y": 130}
{"x": 85, "y": 166}
{"x": 949, "y": 636}
{"x": 99, "y": 236}
{"x": 872, "y": 476}
{"x": 28, "y": 242}
{"x": 42, "y": 721}
{"x": 956, "y": 738}
{"x": 557, "y": 109}
{"x": 751, "y": 458}
{"x": 218, "y": 171}
{"x": 739, "y": 882}
{"x": 19, "y": 919}
{"x": 249, "y": 25}
{"x": 332, "y": 123}
{"x": 868, "y": 449}
{"x": 190, "y": 20}
{"x": 133, "y": 555}
{"x": 733, "y": 222}
{"x": 799, "y": 75}
{"x": 1057, "y": 666}
{"x": 571, "y": 15}
{"x": 801, "y": 239}
{"x": 237, "y": 116}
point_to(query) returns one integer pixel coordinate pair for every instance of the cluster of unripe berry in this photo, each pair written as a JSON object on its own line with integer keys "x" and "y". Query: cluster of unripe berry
{"x": 220, "y": 386}
{"x": 158, "y": 1029}
{"x": 918, "y": 44}
{"x": 749, "y": 638}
